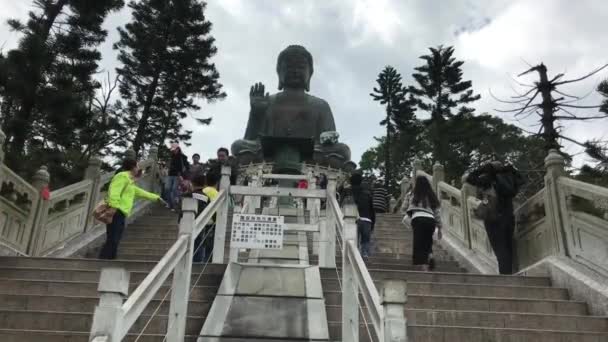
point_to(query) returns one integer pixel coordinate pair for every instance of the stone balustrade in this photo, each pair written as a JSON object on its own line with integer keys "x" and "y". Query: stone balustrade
{"x": 32, "y": 226}
{"x": 565, "y": 218}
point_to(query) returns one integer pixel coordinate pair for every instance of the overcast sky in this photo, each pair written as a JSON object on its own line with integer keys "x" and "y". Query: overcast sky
{"x": 351, "y": 41}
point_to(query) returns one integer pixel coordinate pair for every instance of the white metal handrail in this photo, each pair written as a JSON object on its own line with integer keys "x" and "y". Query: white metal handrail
{"x": 145, "y": 292}
{"x": 356, "y": 280}
{"x": 366, "y": 286}
{"x": 113, "y": 319}
{"x": 201, "y": 221}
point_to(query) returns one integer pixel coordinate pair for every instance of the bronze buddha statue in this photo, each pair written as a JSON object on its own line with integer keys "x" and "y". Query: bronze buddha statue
{"x": 291, "y": 114}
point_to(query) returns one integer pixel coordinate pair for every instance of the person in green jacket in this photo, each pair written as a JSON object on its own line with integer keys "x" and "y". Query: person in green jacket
{"x": 121, "y": 196}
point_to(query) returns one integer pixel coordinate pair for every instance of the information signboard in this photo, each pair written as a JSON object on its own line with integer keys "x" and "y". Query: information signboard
{"x": 257, "y": 231}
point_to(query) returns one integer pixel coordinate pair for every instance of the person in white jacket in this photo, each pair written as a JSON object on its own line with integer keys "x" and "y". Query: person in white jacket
{"x": 424, "y": 211}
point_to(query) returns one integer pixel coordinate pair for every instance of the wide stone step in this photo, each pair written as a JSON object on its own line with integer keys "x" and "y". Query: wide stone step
{"x": 421, "y": 333}
{"x": 94, "y": 264}
{"x": 76, "y": 275}
{"x": 471, "y": 290}
{"x": 507, "y": 320}
{"x": 468, "y": 303}
{"x": 440, "y": 277}
{"x": 377, "y": 262}
{"x": 149, "y": 234}
{"x": 16, "y": 335}
{"x": 73, "y": 321}
{"x": 424, "y": 333}
{"x": 87, "y": 304}
{"x": 76, "y": 288}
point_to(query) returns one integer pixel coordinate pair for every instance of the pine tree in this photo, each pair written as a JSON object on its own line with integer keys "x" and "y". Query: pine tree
{"x": 442, "y": 94}
{"x": 47, "y": 81}
{"x": 165, "y": 53}
{"x": 399, "y": 114}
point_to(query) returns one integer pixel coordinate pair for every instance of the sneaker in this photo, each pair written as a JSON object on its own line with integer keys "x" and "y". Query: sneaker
{"x": 431, "y": 264}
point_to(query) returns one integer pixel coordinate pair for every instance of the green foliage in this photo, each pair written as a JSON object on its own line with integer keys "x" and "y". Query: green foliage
{"x": 399, "y": 120}
{"x": 165, "y": 53}
{"x": 441, "y": 93}
{"x": 47, "y": 89}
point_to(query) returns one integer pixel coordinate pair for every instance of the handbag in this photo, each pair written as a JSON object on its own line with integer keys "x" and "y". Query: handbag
{"x": 103, "y": 212}
{"x": 487, "y": 210}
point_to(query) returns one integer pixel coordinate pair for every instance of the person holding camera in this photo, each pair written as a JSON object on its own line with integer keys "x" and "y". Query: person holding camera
{"x": 497, "y": 185}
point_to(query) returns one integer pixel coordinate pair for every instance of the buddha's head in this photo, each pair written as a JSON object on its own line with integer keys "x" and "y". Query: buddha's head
{"x": 294, "y": 67}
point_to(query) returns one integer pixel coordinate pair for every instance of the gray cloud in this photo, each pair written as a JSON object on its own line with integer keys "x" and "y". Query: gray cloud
{"x": 352, "y": 41}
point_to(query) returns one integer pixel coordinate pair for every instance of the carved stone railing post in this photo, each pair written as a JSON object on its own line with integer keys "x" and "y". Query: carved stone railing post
{"x": 222, "y": 219}
{"x": 130, "y": 154}
{"x": 178, "y": 310}
{"x": 113, "y": 289}
{"x": 438, "y": 176}
{"x": 416, "y": 167}
{"x": 93, "y": 172}
{"x": 41, "y": 180}
{"x": 153, "y": 155}
{"x": 313, "y": 206}
{"x": 393, "y": 298}
{"x": 2, "y": 140}
{"x": 554, "y": 164}
{"x": 350, "y": 288}
{"x": 466, "y": 191}
{"x": 327, "y": 239}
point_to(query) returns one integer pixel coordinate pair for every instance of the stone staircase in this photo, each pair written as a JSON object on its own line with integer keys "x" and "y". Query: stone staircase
{"x": 450, "y": 305}
{"x": 52, "y": 300}
{"x": 45, "y": 299}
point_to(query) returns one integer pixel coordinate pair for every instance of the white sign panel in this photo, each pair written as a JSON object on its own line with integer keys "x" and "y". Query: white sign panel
{"x": 257, "y": 231}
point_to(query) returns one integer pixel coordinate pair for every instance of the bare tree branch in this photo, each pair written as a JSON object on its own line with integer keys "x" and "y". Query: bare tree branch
{"x": 580, "y": 107}
{"x": 583, "y": 118}
{"x": 506, "y": 101}
{"x": 584, "y": 77}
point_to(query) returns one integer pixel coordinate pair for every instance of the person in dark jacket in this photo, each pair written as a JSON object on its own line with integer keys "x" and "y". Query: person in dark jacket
{"x": 367, "y": 214}
{"x": 505, "y": 180}
{"x": 178, "y": 169}
{"x": 223, "y": 159}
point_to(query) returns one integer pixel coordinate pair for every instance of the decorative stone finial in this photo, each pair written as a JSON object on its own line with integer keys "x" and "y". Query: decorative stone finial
{"x": 95, "y": 162}
{"x": 153, "y": 153}
{"x": 93, "y": 168}
{"x": 130, "y": 154}
{"x": 554, "y": 158}
{"x": 41, "y": 178}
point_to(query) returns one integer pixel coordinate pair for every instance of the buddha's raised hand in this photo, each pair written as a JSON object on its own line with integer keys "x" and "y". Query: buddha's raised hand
{"x": 257, "y": 97}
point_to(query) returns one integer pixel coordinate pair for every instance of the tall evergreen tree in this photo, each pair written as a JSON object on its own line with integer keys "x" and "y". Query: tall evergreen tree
{"x": 165, "y": 53}
{"x": 47, "y": 81}
{"x": 442, "y": 94}
{"x": 398, "y": 113}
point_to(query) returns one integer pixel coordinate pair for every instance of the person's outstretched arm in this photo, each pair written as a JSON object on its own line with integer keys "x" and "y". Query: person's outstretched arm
{"x": 141, "y": 193}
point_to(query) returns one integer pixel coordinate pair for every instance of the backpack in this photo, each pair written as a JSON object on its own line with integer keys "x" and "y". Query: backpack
{"x": 487, "y": 210}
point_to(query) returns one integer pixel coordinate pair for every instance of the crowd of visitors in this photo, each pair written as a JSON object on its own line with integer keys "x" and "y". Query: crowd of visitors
{"x": 179, "y": 178}
{"x": 497, "y": 185}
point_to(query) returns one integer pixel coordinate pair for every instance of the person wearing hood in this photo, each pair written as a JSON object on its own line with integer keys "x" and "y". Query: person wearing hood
{"x": 367, "y": 214}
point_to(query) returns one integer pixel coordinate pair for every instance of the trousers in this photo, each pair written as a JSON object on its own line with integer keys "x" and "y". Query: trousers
{"x": 423, "y": 229}
{"x": 364, "y": 230}
{"x": 500, "y": 234}
{"x": 114, "y": 232}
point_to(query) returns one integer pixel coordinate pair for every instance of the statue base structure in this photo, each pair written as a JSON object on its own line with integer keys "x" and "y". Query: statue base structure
{"x": 287, "y": 153}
